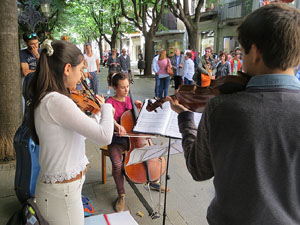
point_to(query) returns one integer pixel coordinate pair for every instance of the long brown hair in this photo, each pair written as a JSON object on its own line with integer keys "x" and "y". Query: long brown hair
{"x": 48, "y": 76}
{"x": 163, "y": 54}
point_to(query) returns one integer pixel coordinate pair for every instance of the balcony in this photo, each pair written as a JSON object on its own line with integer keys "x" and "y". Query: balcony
{"x": 235, "y": 9}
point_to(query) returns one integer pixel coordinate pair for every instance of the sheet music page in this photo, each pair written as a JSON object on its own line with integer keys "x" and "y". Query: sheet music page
{"x": 172, "y": 129}
{"x": 153, "y": 122}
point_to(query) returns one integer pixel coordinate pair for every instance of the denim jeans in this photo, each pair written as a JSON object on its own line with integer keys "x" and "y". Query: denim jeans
{"x": 163, "y": 87}
{"x": 94, "y": 82}
{"x": 187, "y": 81}
{"x": 156, "y": 85}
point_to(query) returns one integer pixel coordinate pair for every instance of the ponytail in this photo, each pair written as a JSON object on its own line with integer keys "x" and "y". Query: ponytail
{"x": 48, "y": 76}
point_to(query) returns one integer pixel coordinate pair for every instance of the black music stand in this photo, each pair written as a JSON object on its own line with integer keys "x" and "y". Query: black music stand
{"x": 166, "y": 183}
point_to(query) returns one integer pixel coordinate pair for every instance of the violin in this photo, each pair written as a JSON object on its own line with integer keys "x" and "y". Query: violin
{"x": 195, "y": 98}
{"x": 84, "y": 102}
{"x": 85, "y": 99}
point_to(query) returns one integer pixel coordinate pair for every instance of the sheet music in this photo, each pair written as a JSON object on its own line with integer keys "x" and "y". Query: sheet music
{"x": 153, "y": 122}
{"x": 163, "y": 122}
{"x": 154, "y": 151}
{"x": 172, "y": 129}
{"x": 123, "y": 218}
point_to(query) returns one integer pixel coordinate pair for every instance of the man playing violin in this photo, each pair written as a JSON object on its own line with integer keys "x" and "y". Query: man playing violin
{"x": 246, "y": 140}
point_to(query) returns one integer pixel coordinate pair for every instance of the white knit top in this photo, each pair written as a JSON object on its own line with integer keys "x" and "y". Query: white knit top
{"x": 62, "y": 127}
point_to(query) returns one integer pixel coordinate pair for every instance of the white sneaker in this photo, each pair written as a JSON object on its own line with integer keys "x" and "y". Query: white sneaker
{"x": 108, "y": 92}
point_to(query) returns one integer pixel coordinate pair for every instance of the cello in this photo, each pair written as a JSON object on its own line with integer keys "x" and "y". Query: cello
{"x": 143, "y": 172}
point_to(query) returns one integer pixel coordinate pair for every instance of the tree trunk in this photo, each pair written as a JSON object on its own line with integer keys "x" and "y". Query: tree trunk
{"x": 10, "y": 82}
{"x": 113, "y": 40}
{"x": 100, "y": 50}
{"x": 148, "y": 53}
{"x": 193, "y": 37}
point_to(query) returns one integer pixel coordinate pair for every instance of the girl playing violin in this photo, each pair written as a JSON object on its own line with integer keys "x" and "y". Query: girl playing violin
{"x": 60, "y": 128}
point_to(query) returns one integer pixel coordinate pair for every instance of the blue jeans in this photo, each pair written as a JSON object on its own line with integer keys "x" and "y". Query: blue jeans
{"x": 186, "y": 81}
{"x": 94, "y": 82}
{"x": 163, "y": 87}
{"x": 156, "y": 85}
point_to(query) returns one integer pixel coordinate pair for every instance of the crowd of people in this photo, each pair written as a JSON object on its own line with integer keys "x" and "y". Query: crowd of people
{"x": 246, "y": 140}
{"x": 189, "y": 68}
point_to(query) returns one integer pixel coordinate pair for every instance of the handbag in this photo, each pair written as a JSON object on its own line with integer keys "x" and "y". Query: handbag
{"x": 169, "y": 69}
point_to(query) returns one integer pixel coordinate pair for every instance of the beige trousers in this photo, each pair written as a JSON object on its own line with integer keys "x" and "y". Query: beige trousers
{"x": 61, "y": 204}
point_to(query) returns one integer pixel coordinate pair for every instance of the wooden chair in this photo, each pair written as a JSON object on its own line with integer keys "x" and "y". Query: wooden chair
{"x": 104, "y": 153}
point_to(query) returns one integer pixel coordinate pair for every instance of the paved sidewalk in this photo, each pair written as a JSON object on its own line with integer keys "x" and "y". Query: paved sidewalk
{"x": 186, "y": 203}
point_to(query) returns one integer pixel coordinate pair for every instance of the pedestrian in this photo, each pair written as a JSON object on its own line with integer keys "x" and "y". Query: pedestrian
{"x": 236, "y": 64}
{"x": 177, "y": 62}
{"x": 164, "y": 78}
{"x": 93, "y": 66}
{"x": 113, "y": 64}
{"x": 141, "y": 62}
{"x": 29, "y": 56}
{"x": 125, "y": 63}
{"x": 60, "y": 128}
{"x": 247, "y": 140}
{"x": 155, "y": 68}
{"x": 188, "y": 69}
{"x": 207, "y": 68}
{"x": 223, "y": 68}
{"x": 65, "y": 37}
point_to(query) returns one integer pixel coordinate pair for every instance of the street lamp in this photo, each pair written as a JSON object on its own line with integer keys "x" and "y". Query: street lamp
{"x": 45, "y": 7}
{"x": 29, "y": 16}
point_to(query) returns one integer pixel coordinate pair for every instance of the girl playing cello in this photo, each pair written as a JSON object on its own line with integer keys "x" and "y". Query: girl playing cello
{"x": 121, "y": 102}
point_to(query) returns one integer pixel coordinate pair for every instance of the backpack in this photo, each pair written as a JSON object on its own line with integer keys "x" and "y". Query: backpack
{"x": 29, "y": 214}
{"x": 88, "y": 206}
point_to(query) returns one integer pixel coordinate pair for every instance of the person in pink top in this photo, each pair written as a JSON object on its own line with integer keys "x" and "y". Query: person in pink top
{"x": 121, "y": 103}
{"x": 164, "y": 78}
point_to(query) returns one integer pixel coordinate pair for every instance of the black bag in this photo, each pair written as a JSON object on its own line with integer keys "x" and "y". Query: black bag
{"x": 29, "y": 214}
{"x": 141, "y": 64}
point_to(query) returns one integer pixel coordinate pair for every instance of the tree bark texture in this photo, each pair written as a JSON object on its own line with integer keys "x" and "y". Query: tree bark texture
{"x": 148, "y": 53}
{"x": 10, "y": 82}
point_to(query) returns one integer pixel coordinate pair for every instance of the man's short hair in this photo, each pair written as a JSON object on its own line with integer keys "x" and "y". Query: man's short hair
{"x": 27, "y": 36}
{"x": 189, "y": 54}
{"x": 275, "y": 30}
{"x": 208, "y": 48}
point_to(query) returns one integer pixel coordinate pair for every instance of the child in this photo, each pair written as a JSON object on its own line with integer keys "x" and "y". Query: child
{"x": 60, "y": 128}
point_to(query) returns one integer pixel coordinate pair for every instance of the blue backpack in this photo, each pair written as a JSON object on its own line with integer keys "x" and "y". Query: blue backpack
{"x": 88, "y": 206}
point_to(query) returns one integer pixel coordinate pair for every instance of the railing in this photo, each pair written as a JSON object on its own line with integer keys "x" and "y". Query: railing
{"x": 235, "y": 9}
